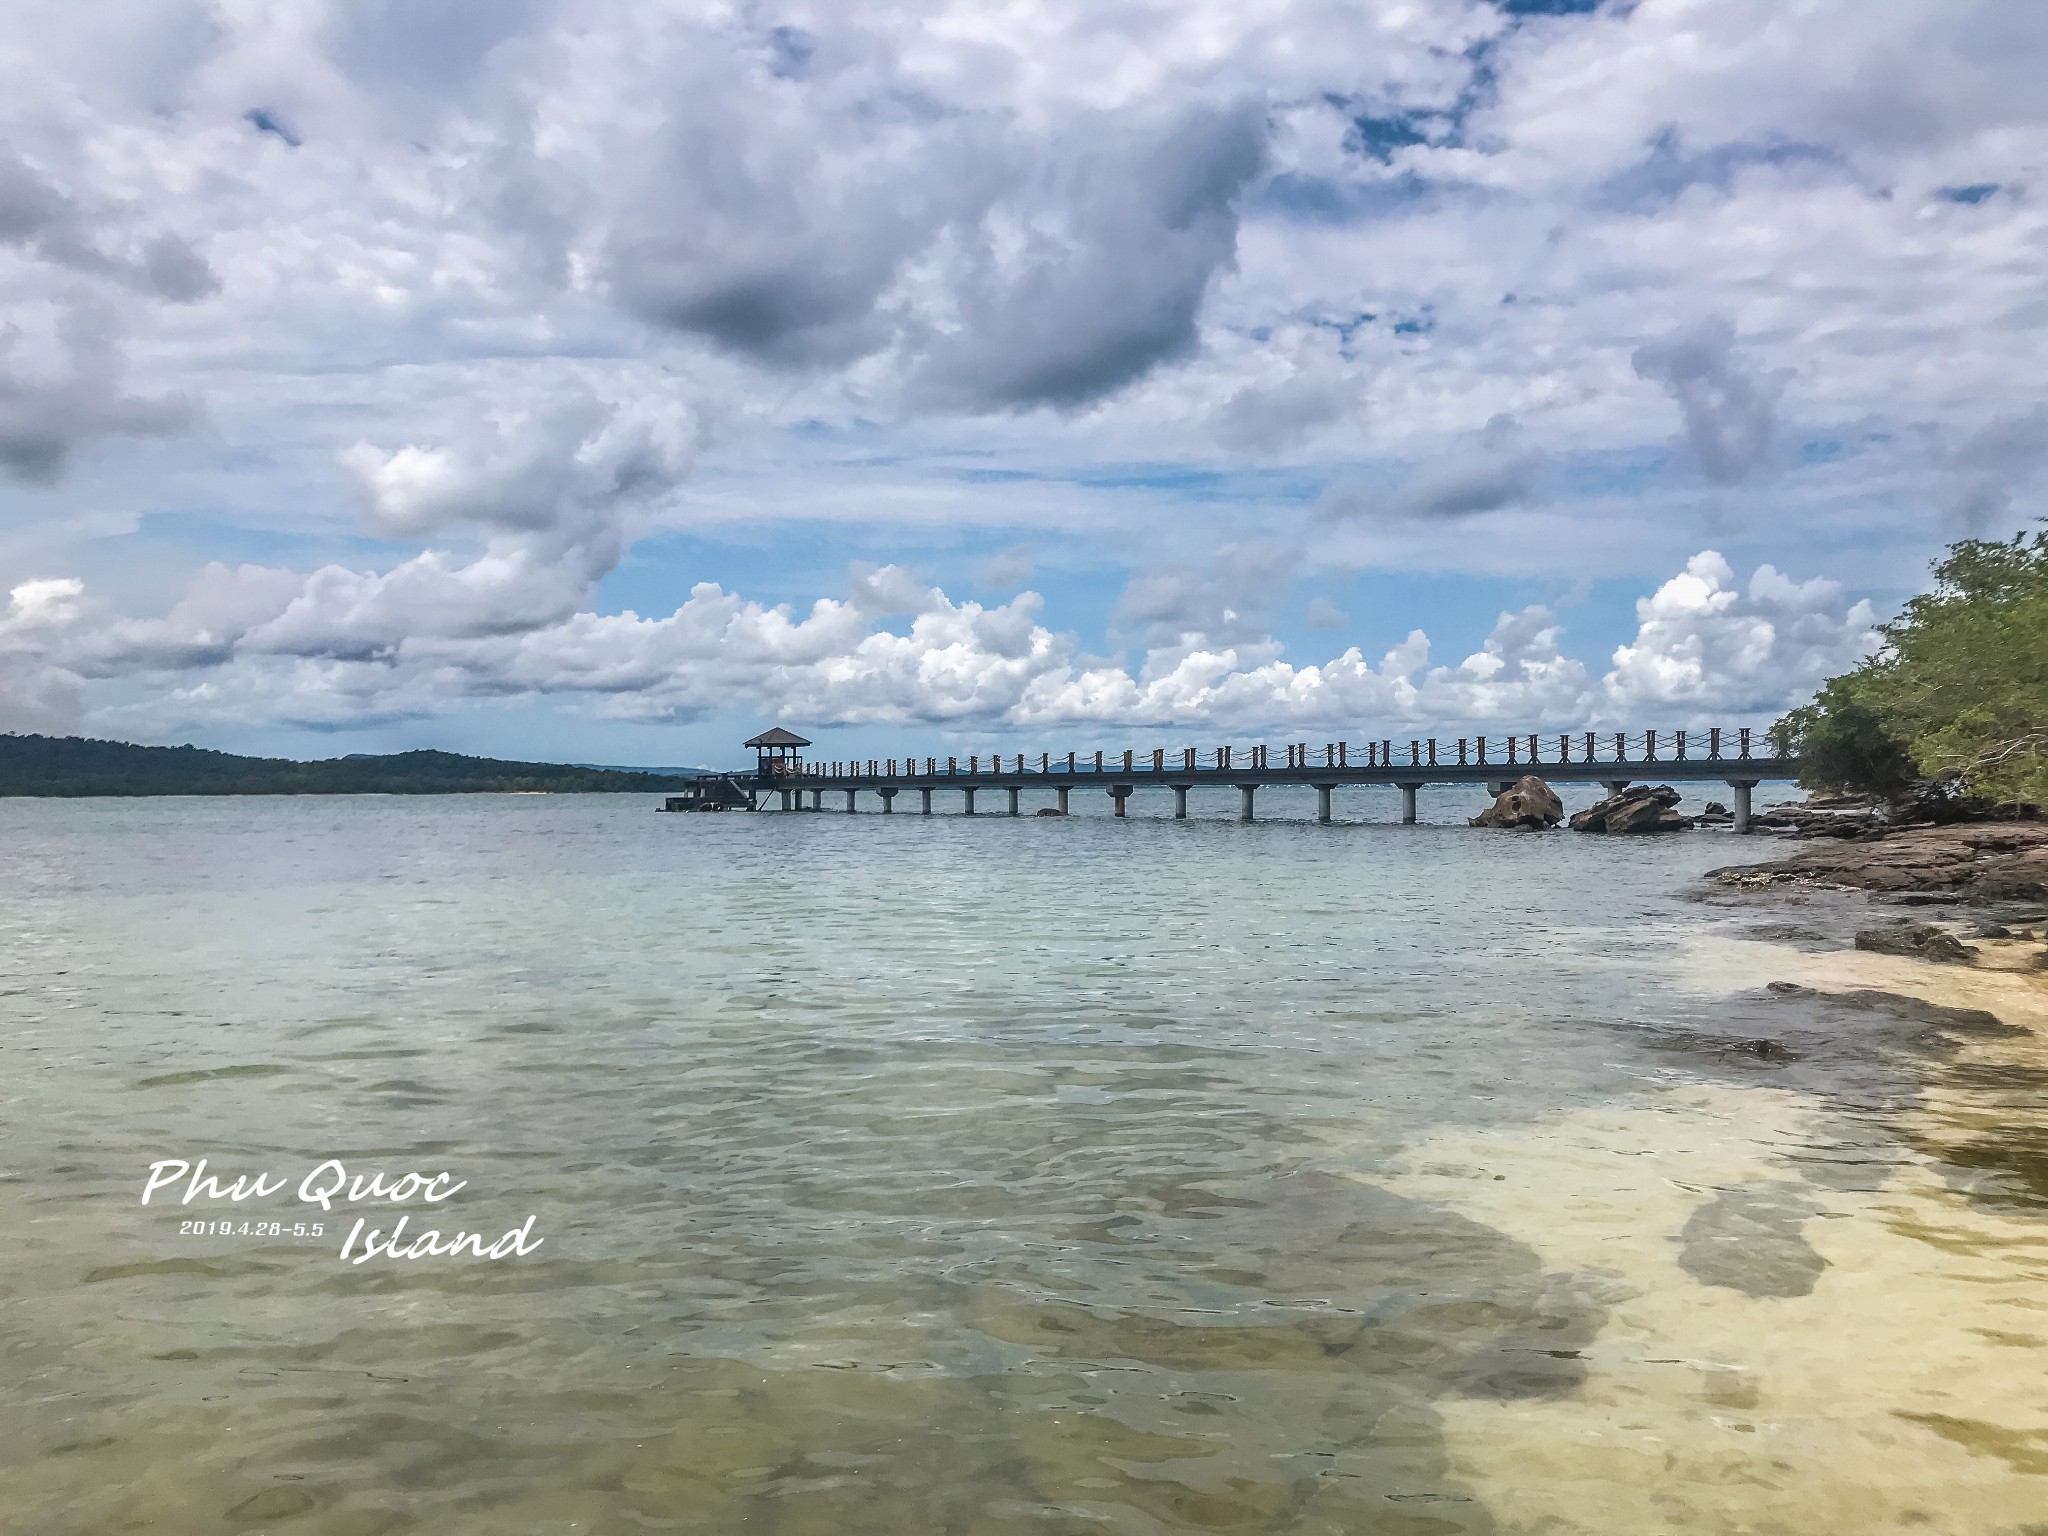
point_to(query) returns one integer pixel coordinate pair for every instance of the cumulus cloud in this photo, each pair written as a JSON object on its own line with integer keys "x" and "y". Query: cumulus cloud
{"x": 530, "y": 468}
{"x": 1993, "y": 464}
{"x": 777, "y": 240}
{"x": 1094, "y": 272}
{"x": 1011, "y": 566}
{"x": 1499, "y": 468}
{"x": 1703, "y": 645}
{"x": 1324, "y": 614}
{"x": 36, "y": 217}
{"x": 63, "y": 376}
{"x": 1265, "y": 418}
{"x": 338, "y": 648}
{"x": 37, "y": 691}
{"x": 1228, "y": 599}
{"x": 1728, "y": 410}
{"x": 1055, "y": 272}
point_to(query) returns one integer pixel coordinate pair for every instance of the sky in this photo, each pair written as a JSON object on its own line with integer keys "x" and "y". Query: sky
{"x": 603, "y": 381}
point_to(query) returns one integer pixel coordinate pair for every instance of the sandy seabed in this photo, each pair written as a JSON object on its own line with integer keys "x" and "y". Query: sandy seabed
{"x": 1907, "y": 1390}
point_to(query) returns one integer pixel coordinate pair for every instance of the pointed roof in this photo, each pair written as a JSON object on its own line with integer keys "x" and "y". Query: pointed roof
{"x": 776, "y": 736}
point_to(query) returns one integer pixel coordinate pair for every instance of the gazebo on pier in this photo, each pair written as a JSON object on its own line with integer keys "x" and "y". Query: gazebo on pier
{"x": 776, "y": 753}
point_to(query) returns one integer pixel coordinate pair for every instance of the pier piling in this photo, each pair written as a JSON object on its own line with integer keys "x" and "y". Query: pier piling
{"x": 1742, "y": 787}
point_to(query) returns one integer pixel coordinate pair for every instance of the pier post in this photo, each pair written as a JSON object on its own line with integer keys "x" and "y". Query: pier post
{"x": 1120, "y": 793}
{"x": 1016, "y": 796}
{"x": 1323, "y": 803}
{"x": 927, "y": 800}
{"x": 1408, "y": 803}
{"x": 849, "y": 800}
{"x": 1245, "y": 793}
{"x": 968, "y": 791}
{"x": 1062, "y": 792}
{"x": 1180, "y": 802}
{"x": 1615, "y": 786}
{"x": 785, "y": 798}
{"x": 1742, "y": 787}
{"x": 888, "y": 799}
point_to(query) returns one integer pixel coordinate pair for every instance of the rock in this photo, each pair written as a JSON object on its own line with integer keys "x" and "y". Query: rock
{"x": 1917, "y": 941}
{"x": 1528, "y": 802}
{"x": 1639, "y": 808}
{"x": 1969, "y": 861}
{"x": 1050, "y": 810}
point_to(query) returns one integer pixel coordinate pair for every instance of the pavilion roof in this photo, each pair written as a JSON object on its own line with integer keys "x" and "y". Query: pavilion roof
{"x": 776, "y": 736}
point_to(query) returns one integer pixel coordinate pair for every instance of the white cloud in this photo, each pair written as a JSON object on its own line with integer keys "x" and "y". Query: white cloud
{"x": 339, "y": 647}
{"x": 1728, "y": 409}
{"x": 37, "y": 692}
{"x": 1702, "y": 647}
{"x": 1127, "y": 286}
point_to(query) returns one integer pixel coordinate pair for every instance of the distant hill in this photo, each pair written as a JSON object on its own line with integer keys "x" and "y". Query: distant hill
{"x": 76, "y": 765}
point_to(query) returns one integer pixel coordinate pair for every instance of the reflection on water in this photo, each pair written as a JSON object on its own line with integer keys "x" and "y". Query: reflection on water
{"x": 1030, "y": 1177}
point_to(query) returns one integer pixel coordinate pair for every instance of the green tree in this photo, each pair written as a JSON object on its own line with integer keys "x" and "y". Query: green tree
{"x": 1958, "y": 694}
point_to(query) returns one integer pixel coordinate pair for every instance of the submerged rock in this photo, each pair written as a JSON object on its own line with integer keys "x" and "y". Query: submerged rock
{"x": 1639, "y": 808}
{"x": 1916, "y": 941}
{"x": 1528, "y": 802}
{"x": 1050, "y": 810}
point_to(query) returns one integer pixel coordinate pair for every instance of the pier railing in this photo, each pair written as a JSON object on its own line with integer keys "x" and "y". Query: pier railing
{"x": 1525, "y": 750}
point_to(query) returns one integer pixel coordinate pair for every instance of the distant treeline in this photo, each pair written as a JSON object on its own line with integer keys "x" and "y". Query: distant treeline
{"x": 75, "y": 765}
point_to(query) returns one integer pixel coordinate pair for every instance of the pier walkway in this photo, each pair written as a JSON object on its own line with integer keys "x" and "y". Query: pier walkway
{"x": 1615, "y": 759}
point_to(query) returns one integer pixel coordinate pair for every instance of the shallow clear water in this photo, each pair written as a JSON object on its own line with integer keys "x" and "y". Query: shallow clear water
{"x": 986, "y": 1176}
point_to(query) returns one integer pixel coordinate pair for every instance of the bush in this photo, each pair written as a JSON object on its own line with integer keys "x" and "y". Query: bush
{"x": 1957, "y": 696}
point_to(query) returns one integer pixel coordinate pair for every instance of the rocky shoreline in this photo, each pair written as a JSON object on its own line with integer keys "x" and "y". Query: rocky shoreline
{"x": 1974, "y": 862}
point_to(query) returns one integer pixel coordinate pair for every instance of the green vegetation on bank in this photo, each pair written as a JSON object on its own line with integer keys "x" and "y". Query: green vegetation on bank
{"x": 1956, "y": 698}
{"x": 75, "y": 765}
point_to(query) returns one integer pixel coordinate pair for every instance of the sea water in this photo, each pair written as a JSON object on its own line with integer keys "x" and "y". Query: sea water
{"x": 1038, "y": 1177}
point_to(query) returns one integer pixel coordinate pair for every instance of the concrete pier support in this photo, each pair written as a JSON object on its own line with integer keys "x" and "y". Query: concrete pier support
{"x": 1499, "y": 787}
{"x": 1063, "y": 791}
{"x": 817, "y": 799}
{"x": 1244, "y": 804}
{"x": 1180, "y": 802}
{"x": 927, "y": 800}
{"x": 1323, "y": 803}
{"x": 1119, "y": 793}
{"x": 1742, "y": 787}
{"x": 888, "y": 795}
{"x": 849, "y": 800}
{"x": 785, "y": 798}
{"x": 969, "y": 793}
{"x": 1408, "y": 803}
{"x": 1615, "y": 786}
{"x": 1016, "y": 799}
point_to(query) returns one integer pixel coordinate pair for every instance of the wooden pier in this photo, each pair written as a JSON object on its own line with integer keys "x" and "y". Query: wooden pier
{"x": 1615, "y": 759}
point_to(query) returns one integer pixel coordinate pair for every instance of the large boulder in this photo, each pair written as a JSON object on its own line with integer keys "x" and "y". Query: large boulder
{"x": 1528, "y": 802}
{"x": 1639, "y": 808}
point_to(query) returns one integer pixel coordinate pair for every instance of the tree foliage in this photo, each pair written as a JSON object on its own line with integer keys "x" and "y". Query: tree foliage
{"x": 1958, "y": 694}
